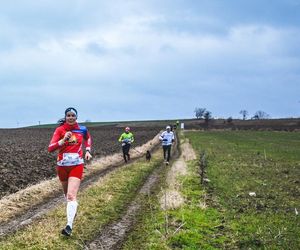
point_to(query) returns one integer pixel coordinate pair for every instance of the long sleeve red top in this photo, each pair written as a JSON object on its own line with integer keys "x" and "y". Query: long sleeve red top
{"x": 79, "y": 136}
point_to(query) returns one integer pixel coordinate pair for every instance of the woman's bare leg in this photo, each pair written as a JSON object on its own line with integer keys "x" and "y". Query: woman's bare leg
{"x": 72, "y": 188}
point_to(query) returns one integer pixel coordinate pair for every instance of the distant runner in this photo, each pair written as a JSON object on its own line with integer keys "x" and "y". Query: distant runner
{"x": 68, "y": 138}
{"x": 167, "y": 138}
{"x": 126, "y": 139}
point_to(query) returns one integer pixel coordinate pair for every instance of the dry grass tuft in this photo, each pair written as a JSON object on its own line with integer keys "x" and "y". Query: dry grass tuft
{"x": 188, "y": 152}
{"x": 18, "y": 202}
{"x": 172, "y": 199}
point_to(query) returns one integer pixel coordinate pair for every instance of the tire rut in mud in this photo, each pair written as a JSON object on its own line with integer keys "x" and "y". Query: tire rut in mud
{"x": 114, "y": 234}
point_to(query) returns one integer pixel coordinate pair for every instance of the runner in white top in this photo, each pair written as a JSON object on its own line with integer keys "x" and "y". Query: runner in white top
{"x": 167, "y": 138}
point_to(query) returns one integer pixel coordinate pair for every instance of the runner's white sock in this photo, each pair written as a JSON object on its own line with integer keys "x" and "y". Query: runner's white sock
{"x": 71, "y": 212}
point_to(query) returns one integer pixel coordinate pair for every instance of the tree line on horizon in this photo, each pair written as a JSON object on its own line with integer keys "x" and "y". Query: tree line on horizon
{"x": 203, "y": 113}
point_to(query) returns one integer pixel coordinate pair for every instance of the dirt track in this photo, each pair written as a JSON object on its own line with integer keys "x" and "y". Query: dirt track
{"x": 113, "y": 235}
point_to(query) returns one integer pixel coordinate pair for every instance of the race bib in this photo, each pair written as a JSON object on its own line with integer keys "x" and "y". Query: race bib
{"x": 70, "y": 159}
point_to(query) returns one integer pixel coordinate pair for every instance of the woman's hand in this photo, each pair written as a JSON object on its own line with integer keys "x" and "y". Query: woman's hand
{"x": 88, "y": 155}
{"x": 67, "y": 136}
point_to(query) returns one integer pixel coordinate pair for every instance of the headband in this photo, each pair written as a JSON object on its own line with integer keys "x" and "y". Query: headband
{"x": 73, "y": 110}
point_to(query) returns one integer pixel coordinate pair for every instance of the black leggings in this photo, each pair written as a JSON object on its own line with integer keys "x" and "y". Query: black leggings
{"x": 167, "y": 151}
{"x": 125, "y": 150}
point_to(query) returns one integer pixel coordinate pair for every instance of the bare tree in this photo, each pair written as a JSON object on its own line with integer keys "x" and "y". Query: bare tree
{"x": 260, "y": 115}
{"x": 229, "y": 120}
{"x": 207, "y": 116}
{"x": 244, "y": 113}
{"x": 199, "y": 112}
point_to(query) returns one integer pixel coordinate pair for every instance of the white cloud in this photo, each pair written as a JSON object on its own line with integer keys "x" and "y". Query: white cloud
{"x": 133, "y": 52}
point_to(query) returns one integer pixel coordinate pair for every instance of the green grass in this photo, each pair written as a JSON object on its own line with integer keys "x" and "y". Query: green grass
{"x": 187, "y": 227}
{"x": 267, "y": 163}
{"x": 98, "y": 205}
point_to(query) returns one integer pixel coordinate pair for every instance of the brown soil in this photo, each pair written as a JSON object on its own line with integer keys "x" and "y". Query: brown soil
{"x": 24, "y": 159}
{"x": 288, "y": 124}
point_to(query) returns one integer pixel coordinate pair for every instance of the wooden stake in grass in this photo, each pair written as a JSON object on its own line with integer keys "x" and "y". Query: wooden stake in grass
{"x": 203, "y": 165}
{"x": 166, "y": 216}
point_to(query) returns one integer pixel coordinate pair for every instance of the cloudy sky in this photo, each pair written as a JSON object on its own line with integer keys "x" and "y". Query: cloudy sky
{"x": 147, "y": 59}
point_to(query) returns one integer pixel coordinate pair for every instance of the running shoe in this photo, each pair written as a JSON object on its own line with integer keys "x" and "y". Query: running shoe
{"x": 67, "y": 231}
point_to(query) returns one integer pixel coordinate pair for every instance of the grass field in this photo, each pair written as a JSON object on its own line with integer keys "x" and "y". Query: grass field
{"x": 264, "y": 163}
{"x": 221, "y": 214}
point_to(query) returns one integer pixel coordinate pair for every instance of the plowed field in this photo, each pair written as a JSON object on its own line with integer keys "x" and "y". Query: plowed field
{"x": 24, "y": 159}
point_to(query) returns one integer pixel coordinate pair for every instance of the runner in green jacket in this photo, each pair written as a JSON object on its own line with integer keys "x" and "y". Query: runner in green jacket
{"x": 126, "y": 139}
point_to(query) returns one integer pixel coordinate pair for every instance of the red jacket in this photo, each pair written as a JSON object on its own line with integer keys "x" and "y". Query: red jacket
{"x": 80, "y": 134}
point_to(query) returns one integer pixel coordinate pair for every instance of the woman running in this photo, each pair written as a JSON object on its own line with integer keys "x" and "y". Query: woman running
{"x": 68, "y": 139}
